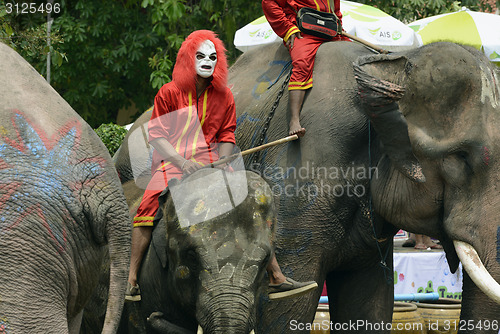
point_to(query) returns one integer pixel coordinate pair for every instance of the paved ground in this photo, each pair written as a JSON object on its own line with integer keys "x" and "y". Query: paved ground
{"x": 398, "y": 248}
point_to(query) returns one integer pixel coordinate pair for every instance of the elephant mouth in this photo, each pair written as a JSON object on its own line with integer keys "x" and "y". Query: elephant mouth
{"x": 200, "y": 330}
{"x": 476, "y": 270}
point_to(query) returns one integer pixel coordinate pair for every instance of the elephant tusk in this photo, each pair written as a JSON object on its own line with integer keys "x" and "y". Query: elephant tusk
{"x": 476, "y": 270}
{"x": 252, "y": 332}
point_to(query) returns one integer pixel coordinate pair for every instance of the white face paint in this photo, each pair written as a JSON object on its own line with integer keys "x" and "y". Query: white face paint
{"x": 205, "y": 59}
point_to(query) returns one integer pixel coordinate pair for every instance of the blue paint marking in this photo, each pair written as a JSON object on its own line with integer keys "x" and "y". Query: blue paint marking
{"x": 42, "y": 181}
{"x": 246, "y": 116}
{"x": 270, "y": 78}
{"x": 498, "y": 244}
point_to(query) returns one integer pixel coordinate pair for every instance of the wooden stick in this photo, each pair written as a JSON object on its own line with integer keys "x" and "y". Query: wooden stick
{"x": 252, "y": 150}
{"x": 362, "y": 41}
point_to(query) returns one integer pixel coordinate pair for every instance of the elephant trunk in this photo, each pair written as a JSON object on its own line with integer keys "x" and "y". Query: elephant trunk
{"x": 119, "y": 253}
{"x": 229, "y": 312}
{"x": 477, "y": 271}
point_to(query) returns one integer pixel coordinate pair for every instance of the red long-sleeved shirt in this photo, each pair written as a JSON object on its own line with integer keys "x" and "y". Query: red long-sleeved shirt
{"x": 281, "y": 14}
{"x": 192, "y": 125}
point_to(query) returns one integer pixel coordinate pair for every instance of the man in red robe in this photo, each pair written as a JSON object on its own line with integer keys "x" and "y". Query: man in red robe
{"x": 281, "y": 15}
{"x": 192, "y": 124}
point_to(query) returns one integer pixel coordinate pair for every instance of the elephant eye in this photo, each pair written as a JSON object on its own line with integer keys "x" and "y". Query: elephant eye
{"x": 191, "y": 255}
{"x": 464, "y": 157}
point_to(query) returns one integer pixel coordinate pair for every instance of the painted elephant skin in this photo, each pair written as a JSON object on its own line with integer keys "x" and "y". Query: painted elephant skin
{"x": 62, "y": 208}
{"x": 206, "y": 263}
{"x": 343, "y": 189}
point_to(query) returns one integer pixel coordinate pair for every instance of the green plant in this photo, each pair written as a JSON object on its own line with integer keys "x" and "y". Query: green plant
{"x": 111, "y": 135}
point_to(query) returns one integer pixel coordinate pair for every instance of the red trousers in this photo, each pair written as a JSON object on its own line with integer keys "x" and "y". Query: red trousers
{"x": 149, "y": 203}
{"x": 303, "y": 54}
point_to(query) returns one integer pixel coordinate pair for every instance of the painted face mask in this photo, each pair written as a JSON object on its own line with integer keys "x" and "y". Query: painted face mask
{"x": 205, "y": 59}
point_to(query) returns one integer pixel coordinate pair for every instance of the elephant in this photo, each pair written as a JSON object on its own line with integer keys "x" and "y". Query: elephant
{"x": 62, "y": 209}
{"x": 407, "y": 140}
{"x": 209, "y": 250}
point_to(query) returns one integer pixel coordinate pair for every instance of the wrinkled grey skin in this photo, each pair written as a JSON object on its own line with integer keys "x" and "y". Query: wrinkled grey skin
{"x": 451, "y": 106}
{"x": 61, "y": 207}
{"x": 209, "y": 274}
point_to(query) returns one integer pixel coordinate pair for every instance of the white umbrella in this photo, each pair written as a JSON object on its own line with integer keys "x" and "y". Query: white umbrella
{"x": 363, "y": 21}
{"x": 480, "y": 30}
{"x": 255, "y": 33}
{"x": 375, "y": 26}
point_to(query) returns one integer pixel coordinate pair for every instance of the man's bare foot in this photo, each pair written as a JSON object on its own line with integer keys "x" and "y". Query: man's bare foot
{"x": 296, "y": 129}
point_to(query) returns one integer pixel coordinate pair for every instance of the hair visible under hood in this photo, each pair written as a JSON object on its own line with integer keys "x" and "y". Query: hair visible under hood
{"x": 184, "y": 74}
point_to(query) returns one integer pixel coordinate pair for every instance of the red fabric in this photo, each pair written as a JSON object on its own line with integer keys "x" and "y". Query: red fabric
{"x": 281, "y": 15}
{"x": 149, "y": 203}
{"x": 303, "y": 55}
{"x": 177, "y": 117}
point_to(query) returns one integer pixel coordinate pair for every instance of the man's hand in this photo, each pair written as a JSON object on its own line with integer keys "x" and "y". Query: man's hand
{"x": 225, "y": 166}
{"x": 291, "y": 39}
{"x": 189, "y": 167}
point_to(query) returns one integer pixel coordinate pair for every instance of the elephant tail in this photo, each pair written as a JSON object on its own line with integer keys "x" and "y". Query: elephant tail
{"x": 119, "y": 254}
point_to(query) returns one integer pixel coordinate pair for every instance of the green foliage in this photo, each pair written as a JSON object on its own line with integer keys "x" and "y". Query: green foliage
{"x": 111, "y": 135}
{"x": 175, "y": 19}
{"x": 408, "y": 11}
{"x": 109, "y": 54}
{"x": 100, "y": 51}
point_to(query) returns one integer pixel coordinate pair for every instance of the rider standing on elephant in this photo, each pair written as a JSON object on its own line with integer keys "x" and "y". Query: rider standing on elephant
{"x": 281, "y": 15}
{"x": 198, "y": 87}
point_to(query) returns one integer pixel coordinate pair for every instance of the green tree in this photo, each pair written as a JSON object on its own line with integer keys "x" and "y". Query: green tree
{"x": 410, "y": 10}
{"x": 100, "y": 51}
{"x": 109, "y": 54}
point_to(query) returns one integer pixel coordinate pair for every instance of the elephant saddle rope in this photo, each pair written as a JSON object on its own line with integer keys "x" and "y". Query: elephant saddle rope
{"x": 316, "y": 23}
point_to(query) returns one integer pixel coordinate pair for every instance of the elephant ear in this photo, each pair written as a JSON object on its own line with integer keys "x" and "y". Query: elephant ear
{"x": 379, "y": 98}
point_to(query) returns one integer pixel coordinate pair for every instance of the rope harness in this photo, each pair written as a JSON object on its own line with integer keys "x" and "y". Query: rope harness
{"x": 276, "y": 103}
{"x": 388, "y": 275}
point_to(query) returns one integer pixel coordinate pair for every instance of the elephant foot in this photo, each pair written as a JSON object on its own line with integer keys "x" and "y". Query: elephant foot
{"x": 290, "y": 288}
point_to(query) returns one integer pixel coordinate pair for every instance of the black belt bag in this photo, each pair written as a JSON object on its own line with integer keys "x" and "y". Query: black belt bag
{"x": 316, "y": 23}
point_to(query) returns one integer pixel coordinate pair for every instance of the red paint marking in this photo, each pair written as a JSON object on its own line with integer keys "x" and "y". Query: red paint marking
{"x": 11, "y": 188}
{"x": 401, "y": 277}
{"x": 48, "y": 142}
{"x": 486, "y": 155}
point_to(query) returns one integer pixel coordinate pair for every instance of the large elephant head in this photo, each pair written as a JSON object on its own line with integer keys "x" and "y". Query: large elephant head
{"x": 451, "y": 105}
{"x": 219, "y": 228}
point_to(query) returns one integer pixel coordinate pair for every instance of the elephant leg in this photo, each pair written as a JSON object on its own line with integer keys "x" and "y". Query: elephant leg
{"x": 361, "y": 301}
{"x": 479, "y": 313}
{"x": 75, "y": 323}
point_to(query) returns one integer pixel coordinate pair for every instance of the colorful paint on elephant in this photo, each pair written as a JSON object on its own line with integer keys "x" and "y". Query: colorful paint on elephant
{"x": 4, "y": 326}
{"x": 277, "y": 68}
{"x": 54, "y": 161}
